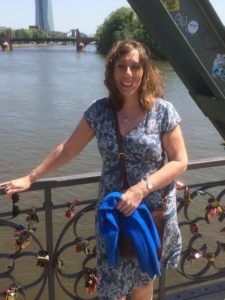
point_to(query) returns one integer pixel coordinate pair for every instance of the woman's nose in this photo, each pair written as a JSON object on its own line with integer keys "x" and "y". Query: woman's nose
{"x": 128, "y": 70}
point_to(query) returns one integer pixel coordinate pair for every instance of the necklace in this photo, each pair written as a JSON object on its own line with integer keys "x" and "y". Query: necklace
{"x": 125, "y": 119}
{"x": 132, "y": 117}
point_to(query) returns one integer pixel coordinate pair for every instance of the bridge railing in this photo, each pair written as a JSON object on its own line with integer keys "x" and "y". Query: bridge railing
{"x": 47, "y": 246}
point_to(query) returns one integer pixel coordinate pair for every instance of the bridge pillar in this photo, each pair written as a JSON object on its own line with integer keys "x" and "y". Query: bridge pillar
{"x": 73, "y": 32}
{"x": 6, "y": 41}
{"x": 10, "y": 39}
{"x": 79, "y": 43}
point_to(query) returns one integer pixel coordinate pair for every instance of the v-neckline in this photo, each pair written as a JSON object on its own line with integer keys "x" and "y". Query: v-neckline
{"x": 143, "y": 119}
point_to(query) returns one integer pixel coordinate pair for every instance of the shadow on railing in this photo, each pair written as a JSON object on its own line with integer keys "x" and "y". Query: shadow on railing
{"x": 36, "y": 262}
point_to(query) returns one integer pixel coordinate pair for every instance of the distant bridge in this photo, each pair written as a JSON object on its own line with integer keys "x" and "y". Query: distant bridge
{"x": 80, "y": 39}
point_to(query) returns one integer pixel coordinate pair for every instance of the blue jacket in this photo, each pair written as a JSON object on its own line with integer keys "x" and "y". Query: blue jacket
{"x": 139, "y": 228}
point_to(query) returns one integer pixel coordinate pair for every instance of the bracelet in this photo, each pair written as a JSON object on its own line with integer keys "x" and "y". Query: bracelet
{"x": 34, "y": 173}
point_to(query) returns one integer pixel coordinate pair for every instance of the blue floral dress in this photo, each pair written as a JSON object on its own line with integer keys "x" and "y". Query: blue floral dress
{"x": 144, "y": 156}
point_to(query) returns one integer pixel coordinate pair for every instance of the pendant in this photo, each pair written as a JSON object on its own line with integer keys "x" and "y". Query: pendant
{"x": 126, "y": 120}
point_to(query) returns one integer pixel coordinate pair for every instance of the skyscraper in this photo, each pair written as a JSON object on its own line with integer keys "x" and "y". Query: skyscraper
{"x": 43, "y": 15}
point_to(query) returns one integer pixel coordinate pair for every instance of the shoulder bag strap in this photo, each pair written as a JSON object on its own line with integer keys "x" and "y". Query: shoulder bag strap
{"x": 122, "y": 155}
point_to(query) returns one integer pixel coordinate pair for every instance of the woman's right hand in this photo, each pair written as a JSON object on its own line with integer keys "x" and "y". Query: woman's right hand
{"x": 17, "y": 185}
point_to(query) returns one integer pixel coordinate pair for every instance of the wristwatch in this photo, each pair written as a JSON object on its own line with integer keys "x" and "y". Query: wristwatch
{"x": 148, "y": 183}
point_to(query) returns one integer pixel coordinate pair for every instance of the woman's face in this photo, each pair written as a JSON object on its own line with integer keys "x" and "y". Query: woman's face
{"x": 128, "y": 73}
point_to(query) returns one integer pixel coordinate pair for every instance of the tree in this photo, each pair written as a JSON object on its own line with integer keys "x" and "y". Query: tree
{"x": 124, "y": 24}
{"x": 22, "y": 33}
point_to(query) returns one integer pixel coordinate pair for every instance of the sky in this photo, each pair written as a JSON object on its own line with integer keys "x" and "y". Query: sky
{"x": 86, "y": 15}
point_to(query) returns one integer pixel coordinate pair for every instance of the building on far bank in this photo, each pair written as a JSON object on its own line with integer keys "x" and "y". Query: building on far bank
{"x": 44, "y": 15}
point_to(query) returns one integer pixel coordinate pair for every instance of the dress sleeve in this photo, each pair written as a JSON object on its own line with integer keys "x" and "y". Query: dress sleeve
{"x": 90, "y": 115}
{"x": 170, "y": 119}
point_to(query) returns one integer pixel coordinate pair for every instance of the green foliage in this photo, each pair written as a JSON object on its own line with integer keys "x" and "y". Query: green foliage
{"x": 28, "y": 33}
{"x": 124, "y": 24}
{"x": 33, "y": 33}
{"x": 3, "y": 32}
{"x": 22, "y": 33}
{"x": 56, "y": 34}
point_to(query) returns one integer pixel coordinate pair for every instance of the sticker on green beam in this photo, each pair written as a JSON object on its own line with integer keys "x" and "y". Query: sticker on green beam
{"x": 172, "y": 5}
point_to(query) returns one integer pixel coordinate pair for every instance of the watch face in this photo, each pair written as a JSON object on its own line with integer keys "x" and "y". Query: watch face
{"x": 149, "y": 184}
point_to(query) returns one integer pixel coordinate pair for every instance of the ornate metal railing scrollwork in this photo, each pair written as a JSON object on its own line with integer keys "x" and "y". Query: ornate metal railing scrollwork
{"x": 55, "y": 265}
{"x": 211, "y": 210}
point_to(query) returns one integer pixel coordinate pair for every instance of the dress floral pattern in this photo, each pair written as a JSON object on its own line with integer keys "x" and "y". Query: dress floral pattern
{"x": 144, "y": 156}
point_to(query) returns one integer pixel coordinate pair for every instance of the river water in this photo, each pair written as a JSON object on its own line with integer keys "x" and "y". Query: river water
{"x": 43, "y": 93}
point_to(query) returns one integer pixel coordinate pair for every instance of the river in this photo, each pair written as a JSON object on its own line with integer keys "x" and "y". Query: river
{"x": 43, "y": 92}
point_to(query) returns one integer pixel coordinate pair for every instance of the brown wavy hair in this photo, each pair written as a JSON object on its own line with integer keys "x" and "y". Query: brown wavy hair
{"x": 151, "y": 84}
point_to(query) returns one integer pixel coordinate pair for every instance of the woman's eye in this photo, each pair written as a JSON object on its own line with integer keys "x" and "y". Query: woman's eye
{"x": 135, "y": 67}
{"x": 121, "y": 66}
{"x": 132, "y": 67}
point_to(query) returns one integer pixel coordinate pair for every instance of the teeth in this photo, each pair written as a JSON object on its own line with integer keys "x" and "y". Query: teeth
{"x": 127, "y": 83}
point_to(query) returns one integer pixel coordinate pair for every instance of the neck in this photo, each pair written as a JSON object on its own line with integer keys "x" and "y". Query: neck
{"x": 131, "y": 105}
{"x": 130, "y": 112}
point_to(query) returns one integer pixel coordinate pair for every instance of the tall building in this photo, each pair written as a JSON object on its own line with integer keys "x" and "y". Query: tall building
{"x": 44, "y": 15}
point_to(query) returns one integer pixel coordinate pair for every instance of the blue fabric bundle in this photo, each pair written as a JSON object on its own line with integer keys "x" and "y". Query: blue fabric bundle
{"x": 139, "y": 228}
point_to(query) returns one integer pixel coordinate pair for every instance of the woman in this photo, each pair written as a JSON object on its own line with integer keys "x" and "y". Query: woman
{"x": 155, "y": 156}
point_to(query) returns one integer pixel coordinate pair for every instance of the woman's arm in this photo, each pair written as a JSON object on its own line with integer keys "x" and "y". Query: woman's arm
{"x": 174, "y": 146}
{"x": 62, "y": 154}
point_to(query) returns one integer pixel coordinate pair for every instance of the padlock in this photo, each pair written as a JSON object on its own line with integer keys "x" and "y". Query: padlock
{"x": 211, "y": 258}
{"x": 42, "y": 258}
{"x": 59, "y": 264}
{"x": 11, "y": 292}
{"x": 91, "y": 280}
{"x": 32, "y": 219}
{"x": 187, "y": 196}
{"x": 82, "y": 245}
{"x": 194, "y": 228}
{"x": 196, "y": 254}
{"x": 22, "y": 239}
{"x": 70, "y": 208}
{"x": 212, "y": 212}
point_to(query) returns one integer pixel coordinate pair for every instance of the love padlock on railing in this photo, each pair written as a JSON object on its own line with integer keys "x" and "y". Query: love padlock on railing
{"x": 42, "y": 258}
{"x": 91, "y": 279}
{"x": 196, "y": 254}
{"x": 82, "y": 244}
{"x": 22, "y": 239}
{"x": 59, "y": 264}
{"x": 70, "y": 208}
{"x": 13, "y": 292}
{"x": 214, "y": 209}
{"x": 194, "y": 228}
{"x": 187, "y": 196}
{"x": 32, "y": 219}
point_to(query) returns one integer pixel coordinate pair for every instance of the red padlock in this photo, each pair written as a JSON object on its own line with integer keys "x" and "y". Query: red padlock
{"x": 70, "y": 208}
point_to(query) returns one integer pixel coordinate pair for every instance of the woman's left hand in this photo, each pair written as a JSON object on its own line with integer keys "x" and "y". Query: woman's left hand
{"x": 130, "y": 200}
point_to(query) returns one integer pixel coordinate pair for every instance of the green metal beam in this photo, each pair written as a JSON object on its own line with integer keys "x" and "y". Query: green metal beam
{"x": 193, "y": 40}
